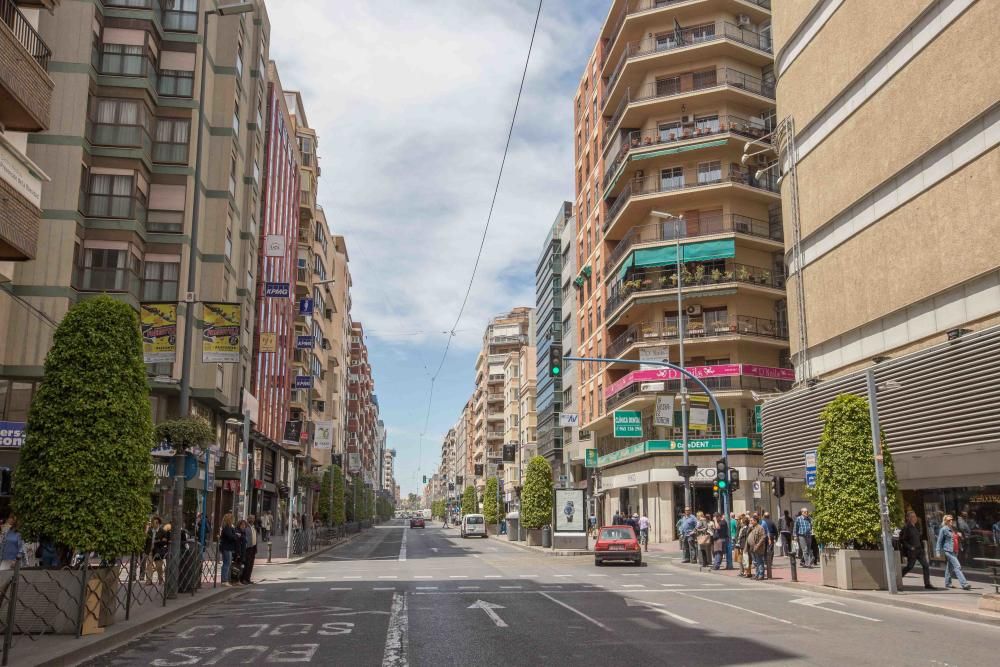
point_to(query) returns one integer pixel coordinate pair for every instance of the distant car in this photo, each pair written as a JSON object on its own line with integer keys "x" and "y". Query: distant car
{"x": 417, "y": 522}
{"x": 473, "y": 525}
{"x": 617, "y": 543}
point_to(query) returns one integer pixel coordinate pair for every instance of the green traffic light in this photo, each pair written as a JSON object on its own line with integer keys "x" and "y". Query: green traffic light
{"x": 555, "y": 370}
{"x": 722, "y": 484}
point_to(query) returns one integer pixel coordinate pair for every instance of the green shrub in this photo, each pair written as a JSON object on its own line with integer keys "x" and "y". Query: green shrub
{"x": 339, "y": 511}
{"x": 491, "y": 507}
{"x": 85, "y": 473}
{"x": 536, "y": 496}
{"x": 469, "y": 502}
{"x": 846, "y": 493}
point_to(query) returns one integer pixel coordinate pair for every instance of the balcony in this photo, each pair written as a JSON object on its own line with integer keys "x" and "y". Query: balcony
{"x": 705, "y": 225}
{"x": 697, "y": 327}
{"x": 178, "y": 20}
{"x": 100, "y": 279}
{"x": 494, "y": 435}
{"x": 720, "y": 35}
{"x": 25, "y": 89}
{"x": 704, "y": 125}
{"x": 645, "y": 186}
{"x": 727, "y": 383}
{"x": 125, "y": 60}
{"x": 496, "y": 377}
{"x": 695, "y": 276}
{"x": 683, "y": 84}
{"x": 494, "y": 396}
{"x": 120, "y": 135}
{"x": 122, "y": 207}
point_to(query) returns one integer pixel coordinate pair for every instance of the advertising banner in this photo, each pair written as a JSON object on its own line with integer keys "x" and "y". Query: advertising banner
{"x": 509, "y": 453}
{"x": 628, "y": 423}
{"x": 664, "y": 415}
{"x": 303, "y": 382}
{"x": 12, "y": 435}
{"x": 591, "y": 460}
{"x": 479, "y": 468}
{"x": 655, "y": 353}
{"x": 268, "y": 342}
{"x": 220, "y": 339}
{"x": 717, "y": 370}
{"x": 158, "y": 323}
{"x": 698, "y": 412}
{"x": 570, "y": 511}
{"x": 354, "y": 462}
{"x": 304, "y": 342}
{"x": 324, "y": 435}
{"x": 305, "y": 306}
{"x": 293, "y": 432}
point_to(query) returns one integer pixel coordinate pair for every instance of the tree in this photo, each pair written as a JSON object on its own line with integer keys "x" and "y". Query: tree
{"x": 85, "y": 472}
{"x": 846, "y": 493}
{"x": 185, "y": 433}
{"x": 325, "y": 489}
{"x": 469, "y": 503}
{"x": 491, "y": 507}
{"x": 536, "y": 497}
{"x": 339, "y": 511}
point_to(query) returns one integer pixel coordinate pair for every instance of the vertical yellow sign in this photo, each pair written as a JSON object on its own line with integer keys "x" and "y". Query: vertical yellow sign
{"x": 158, "y": 323}
{"x": 220, "y": 339}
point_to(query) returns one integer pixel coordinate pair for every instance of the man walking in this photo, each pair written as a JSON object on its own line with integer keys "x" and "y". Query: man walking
{"x": 265, "y": 527}
{"x": 785, "y": 526}
{"x": 913, "y": 548}
{"x": 249, "y": 550}
{"x": 772, "y": 538}
{"x": 757, "y": 546}
{"x": 688, "y": 527}
{"x": 644, "y": 530}
{"x": 804, "y": 534}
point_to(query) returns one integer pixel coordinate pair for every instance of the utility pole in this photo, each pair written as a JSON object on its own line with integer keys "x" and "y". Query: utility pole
{"x": 888, "y": 553}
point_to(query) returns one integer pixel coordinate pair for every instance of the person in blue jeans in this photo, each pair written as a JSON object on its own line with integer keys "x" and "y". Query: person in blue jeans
{"x": 228, "y": 543}
{"x": 948, "y": 543}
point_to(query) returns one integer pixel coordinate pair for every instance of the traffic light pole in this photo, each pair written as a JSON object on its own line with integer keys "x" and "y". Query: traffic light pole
{"x": 720, "y": 415}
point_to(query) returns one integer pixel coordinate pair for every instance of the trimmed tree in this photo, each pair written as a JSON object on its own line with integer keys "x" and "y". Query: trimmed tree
{"x": 185, "y": 433}
{"x": 339, "y": 511}
{"x": 536, "y": 497}
{"x": 469, "y": 503}
{"x": 846, "y": 492}
{"x": 491, "y": 508}
{"x": 325, "y": 490}
{"x": 84, "y": 477}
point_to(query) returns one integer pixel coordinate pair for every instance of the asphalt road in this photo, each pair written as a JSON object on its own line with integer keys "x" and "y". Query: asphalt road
{"x": 397, "y": 597}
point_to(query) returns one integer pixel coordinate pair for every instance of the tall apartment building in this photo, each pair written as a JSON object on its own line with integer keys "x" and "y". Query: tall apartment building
{"x": 504, "y": 334}
{"x": 117, "y": 216}
{"x": 520, "y": 414}
{"x": 362, "y": 411}
{"x": 574, "y": 441}
{"x": 389, "y": 473}
{"x": 907, "y": 232}
{"x": 548, "y": 330}
{"x": 671, "y": 94}
{"x": 464, "y": 435}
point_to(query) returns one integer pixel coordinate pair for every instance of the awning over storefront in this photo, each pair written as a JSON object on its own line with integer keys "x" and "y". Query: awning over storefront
{"x": 666, "y": 255}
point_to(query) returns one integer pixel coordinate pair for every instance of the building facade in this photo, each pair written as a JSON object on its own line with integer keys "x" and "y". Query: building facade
{"x": 669, "y": 98}
{"x": 575, "y": 441}
{"x": 922, "y": 310}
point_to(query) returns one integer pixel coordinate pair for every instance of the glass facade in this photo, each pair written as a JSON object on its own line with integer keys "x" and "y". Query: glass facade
{"x": 977, "y": 516}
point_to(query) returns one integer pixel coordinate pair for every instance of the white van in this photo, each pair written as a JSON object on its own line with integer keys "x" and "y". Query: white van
{"x": 473, "y": 525}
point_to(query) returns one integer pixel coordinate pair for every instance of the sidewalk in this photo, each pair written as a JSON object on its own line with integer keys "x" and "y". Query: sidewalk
{"x": 278, "y": 547}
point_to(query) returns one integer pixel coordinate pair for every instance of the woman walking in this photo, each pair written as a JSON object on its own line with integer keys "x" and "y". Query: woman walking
{"x": 741, "y": 543}
{"x": 227, "y": 545}
{"x": 949, "y": 541}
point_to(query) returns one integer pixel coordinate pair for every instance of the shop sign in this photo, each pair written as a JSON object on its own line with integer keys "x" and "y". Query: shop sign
{"x": 268, "y": 342}
{"x": 18, "y": 173}
{"x": 717, "y": 370}
{"x": 677, "y": 446}
{"x": 276, "y": 290}
{"x": 705, "y": 474}
{"x": 591, "y": 460}
{"x": 568, "y": 420}
{"x": 304, "y": 342}
{"x": 161, "y": 469}
{"x": 656, "y": 353}
{"x": 305, "y": 306}
{"x": 664, "y": 415}
{"x": 303, "y": 382}
{"x": 652, "y": 387}
{"x": 11, "y": 435}
{"x": 293, "y": 432}
{"x": 628, "y": 423}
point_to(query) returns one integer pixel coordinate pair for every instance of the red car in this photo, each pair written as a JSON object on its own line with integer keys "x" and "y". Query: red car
{"x": 416, "y": 522}
{"x": 617, "y": 543}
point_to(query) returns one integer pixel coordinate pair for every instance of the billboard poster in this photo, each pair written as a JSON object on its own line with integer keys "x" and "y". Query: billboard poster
{"x": 293, "y": 432}
{"x": 220, "y": 339}
{"x": 268, "y": 342}
{"x": 324, "y": 435}
{"x": 570, "y": 511}
{"x": 12, "y": 435}
{"x": 698, "y": 412}
{"x": 664, "y": 415}
{"x": 276, "y": 290}
{"x": 158, "y": 323}
{"x": 354, "y": 462}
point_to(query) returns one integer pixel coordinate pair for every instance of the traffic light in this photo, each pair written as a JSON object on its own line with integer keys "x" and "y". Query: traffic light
{"x": 425, "y": 479}
{"x": 734, "y": 480}
{"x": 778, "y": 485}
{"x": 721, "y": 474}
{"x": 555, "y": 361}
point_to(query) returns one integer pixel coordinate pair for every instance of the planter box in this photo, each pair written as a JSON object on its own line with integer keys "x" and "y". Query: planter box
{"x": 852, "y": 569}
{"x": 534, "y": 537}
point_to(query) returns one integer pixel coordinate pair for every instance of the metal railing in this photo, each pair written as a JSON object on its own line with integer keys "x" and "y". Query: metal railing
{"x": 129, "y": 4}
{"x": 687, "y": 82}
{"x": 648, "y": 185}
{"x": 693, "y": 275}
{"x": 702, "y": 34}
{"x": 700, "y": 326}
{"x": 704, "y": 225}
{"x": 25, "y": 33}
{"x": 753, "y": 128}
{"x": 727, "y": 383}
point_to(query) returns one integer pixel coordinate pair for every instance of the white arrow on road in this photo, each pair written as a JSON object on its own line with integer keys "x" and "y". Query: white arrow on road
{"x": 817, "y": 602}
{"x": 658, "y": 607}
{"x": 488, "y": 607}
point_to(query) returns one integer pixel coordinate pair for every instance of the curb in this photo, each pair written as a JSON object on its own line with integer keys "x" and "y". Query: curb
{"x": 556, "y": 553}
{"x": 307, "y": 557}
{"x": 80, "y": 653}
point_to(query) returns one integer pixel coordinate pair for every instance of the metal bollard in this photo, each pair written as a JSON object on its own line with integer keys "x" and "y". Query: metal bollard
{"x": 269, "y": 551}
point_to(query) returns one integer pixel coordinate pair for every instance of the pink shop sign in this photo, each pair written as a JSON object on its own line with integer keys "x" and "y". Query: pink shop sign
{"x": 721, "y": 370}
{"x": 769, "y": 372}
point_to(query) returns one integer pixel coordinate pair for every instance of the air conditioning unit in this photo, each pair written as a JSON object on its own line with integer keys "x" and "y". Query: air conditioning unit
{"x": 689, "y": 118}
{"x": 693, "y": 310}
{"x": 742, "y": 20}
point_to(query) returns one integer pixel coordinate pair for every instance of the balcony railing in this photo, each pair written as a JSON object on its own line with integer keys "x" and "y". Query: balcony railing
{"x": 694, "y": 275}
{"x": 753, "y": 128}
{"x": 704, "y": 225}
{"x": 496, "y": 377}
{"x": 98, "y": 279}
{"x": 175, "y": 83}
{"x": 725, "y": 383}
{"x": 119, "y": 135}
{"x": 125, "y": 207}
{"x": 25, "y": 33}
{"x": 649, "y": 185}
{"x": 688, "y": 82}
{"x": 709, "y": 32}
{"x": 703, "y": 326}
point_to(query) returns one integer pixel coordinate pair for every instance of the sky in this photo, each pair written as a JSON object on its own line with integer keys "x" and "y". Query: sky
{"x": 412, "y": 101}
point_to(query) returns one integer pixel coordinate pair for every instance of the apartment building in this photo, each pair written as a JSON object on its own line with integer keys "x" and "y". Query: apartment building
{"x": 548, "y": 331}
{"x": 575, "y": 442}
{"x": 669, "y": 98}
{"x": 121, "y": 215}
{"x": 914, "y": 132}
{"x": 362, "y": 411}
{"x": 464, "y": 452}
{"x": 389, "y": 473}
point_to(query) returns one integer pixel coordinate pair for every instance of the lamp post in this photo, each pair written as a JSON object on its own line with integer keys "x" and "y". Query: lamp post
{"x": 883, "y": 500}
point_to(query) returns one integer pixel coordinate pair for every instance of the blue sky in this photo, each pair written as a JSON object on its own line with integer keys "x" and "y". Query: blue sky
{"x": 412, "y": 101}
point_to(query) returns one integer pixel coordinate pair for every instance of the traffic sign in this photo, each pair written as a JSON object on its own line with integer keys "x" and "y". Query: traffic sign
{"x": 811, "y": 468}
{"x": 756, "y": 489}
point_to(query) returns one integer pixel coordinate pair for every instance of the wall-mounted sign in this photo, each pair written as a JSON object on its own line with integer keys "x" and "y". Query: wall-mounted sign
{"x": 628, "y": 423}
{"x": 268, "y": 342}
{"x": 305, "y": 306}
{"x": 656, "y": 353}
{"x": 17, "y": 173}
{"x": 324, "y": 435}
{"x": 274, "y": 245}
{"x": 568, "y": 420}
{"x": 276, "y": 290}
{"x": 354, "y": 462}
{"x": 303, "y": 382}
{"x": 652, "y": 387}
{"x": 293, "y": 432}
{"x": 158, "y": 325}
{"x": 811, "y": 468}
{"x": 304, "y": 342}
{"x": 664, "y": 415}
{"x": 591, "y": 458}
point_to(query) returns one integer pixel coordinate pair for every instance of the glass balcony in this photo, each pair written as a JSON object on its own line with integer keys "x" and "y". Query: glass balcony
{"x": 99, "y": 279}
{"x": 126, "y": 207}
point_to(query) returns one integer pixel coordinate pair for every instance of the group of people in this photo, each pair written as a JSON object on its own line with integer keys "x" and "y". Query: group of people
{"x": 639, "y": 524}
{"x": 706, "y": 538}
{"x": 238, "y": 543}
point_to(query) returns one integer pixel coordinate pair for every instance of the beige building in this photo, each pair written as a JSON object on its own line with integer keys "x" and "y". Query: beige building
{"x": 669, "y": 98}
{"x": 464, "y": 432}
{"x": 520, "y": 415}
{"x": 895, "y": 260}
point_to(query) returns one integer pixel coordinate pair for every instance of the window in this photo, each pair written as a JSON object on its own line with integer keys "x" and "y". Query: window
{"x": 239, "y": 59}
{"x": 229, "y": 244}
{"x": 236, "y": 117}
{"x": 180, "y": 15}
{"x": 110, "y": 196}
{"x": 709, "y": 172}
{"x": 706, "y": 124}
{"x": 232, "y": 177}
{"x": 108, "y": 270}
{"x": 670, "y": 131}
{"x": 702, "y": 33}
{"x": 15, "y": 400}
{"x": 119, "y": 123}
{"x": 175, "y": 83}
{"x": 668, "y": 86}
{"x": 705, "y": 79}
{"x": 672, "y": 178}
{"x": 172, "y": 138}
{"x": 123, "y": 59}
{"x": 160, "y": 280}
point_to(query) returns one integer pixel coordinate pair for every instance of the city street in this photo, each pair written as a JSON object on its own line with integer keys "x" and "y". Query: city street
{"x": 396, "y": 596}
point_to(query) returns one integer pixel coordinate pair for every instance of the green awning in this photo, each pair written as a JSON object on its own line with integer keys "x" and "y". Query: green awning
{"x": 706, "y": 250}
{"x": 656, "y": 256}
{"x": 679, "y": 149}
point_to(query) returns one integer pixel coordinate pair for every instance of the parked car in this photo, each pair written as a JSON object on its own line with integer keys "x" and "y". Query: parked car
{"x": 617, "y": 543}
{"x": 473, "y": 525}
{"x": 417, "y": 522}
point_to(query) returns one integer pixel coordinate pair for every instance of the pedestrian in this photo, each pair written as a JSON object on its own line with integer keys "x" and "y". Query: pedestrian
{"x": 785, "y": 527}
{"x": 616, "y": 520}
{"x": 644, "y": 530}
{"x": 720, "y": 541}
{"x": 249, "y": 550}
{"x": 161, "y": 547}
{"x": 681, "y": 539}
{"x": 688, "y": 528}
{"x": 703, "y": 537}
{"x": 949, "y": 542}
{"x": 757, "y": 546}
{"x": 741, "y": 542}
{"x": 265, "y": 526}
{"x": 12, "y": 547}
{"x": 803, "y": 532}
{"x": 227, "y": 546}
{"x": 48, "y": 553}
{"x": 772, "y": 539}
{"x": 912, "y": 546}
{"x": 148, "y": 547}
{"x": 633, "y": 521}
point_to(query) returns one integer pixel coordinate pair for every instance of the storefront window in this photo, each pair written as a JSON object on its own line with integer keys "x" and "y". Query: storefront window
{"x": 977, "y": 517}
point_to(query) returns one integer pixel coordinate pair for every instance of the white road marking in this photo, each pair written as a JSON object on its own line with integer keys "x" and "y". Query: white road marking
{"x": 434, "y": 549}
{"x": 646, "y": 623}
{"x": 390, "y": 576}
{"x": 489, "y": 608}
{"x": 562, "y": 575}
{"x": 423, "y": 576}
{"x": 296, "y": 590}
{"x": 468, "y": 588}
{"x": 458, "y": 576}
{"x": 597, "y": 575}
{"x": 341, "y": 589}
{"x": 384, "y": 589}
{"x": 576, "y": 611}
{"x": 396, "y": 638}
{"x": 402, "y": 545}
{"x": 816, "y": 602}
{"x": 427, "y": 588}
{"x": 672, "y": 585}
{"x": 493, "y": 576}
{"x": 633, "y": 585}
{"x": 658, "y": 608}
{"x": 713, "y": 584}
{"x": 630, "y": 575}
{"x": 733, "y": 606}
{"x": 513, "y": 587}
{"x": 663, "y": 574}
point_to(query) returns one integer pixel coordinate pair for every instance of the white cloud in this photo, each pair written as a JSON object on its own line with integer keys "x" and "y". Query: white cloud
{"x": 412, "y": 103}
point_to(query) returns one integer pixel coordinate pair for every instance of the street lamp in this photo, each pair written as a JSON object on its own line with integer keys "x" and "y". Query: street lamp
{"x": 686, "y": 471}
{"x": 883, "y": 501}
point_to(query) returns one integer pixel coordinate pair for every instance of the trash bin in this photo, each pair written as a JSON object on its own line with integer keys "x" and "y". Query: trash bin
{"x": 546, "y": 537}
{"x": 190, "y": 570}
{"x": 512, "y": 526}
